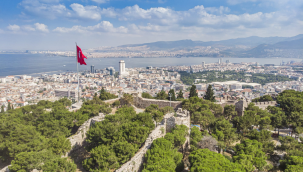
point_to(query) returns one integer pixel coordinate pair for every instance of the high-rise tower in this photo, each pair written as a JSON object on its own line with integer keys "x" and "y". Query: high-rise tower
{"x": 121, "y": 67}
{"x": 203, "y": 64}
{"x": 92, "y": 69}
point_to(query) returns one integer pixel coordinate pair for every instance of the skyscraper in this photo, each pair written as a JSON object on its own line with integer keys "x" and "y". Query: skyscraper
{"x": 92, "y": 69}
{"x": 203, "y": 64}
{"x": 121, "y": 67}
{"x": 227, "y": 61}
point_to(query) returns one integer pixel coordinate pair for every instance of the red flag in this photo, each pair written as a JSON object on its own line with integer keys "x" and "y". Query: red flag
{"x": 80, "y": 56}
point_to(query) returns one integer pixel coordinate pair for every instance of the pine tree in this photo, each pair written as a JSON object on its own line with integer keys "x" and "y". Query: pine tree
{"x": 173, "y": 96}
{"x": 12, "y": 107}
{"x": 102, "y": 91}
{"x": 193, "y": 91}
{"x": 9, "y": 106}
{"x": 180, "y": 95}
{"x": 2, "y": 109}
{"x": 210, "y": 94}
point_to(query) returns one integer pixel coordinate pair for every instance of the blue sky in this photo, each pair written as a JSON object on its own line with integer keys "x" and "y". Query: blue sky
{"x": 57, "y": 24}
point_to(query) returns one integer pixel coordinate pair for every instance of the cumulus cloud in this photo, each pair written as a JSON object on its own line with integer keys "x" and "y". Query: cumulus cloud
{"x": 41, "y": 27}
{"x": 51, "y": 10}
{"x": 28, "y": 28}
{"x": 104, "y": 26}
{"x": 37, "y": 27}
{"x": 13, "y": 27}
{"x": 88, "y": 12}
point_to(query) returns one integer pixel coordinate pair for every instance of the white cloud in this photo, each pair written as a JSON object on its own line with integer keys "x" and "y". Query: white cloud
{"x": 88, "y": 12}
{"x": 55, "y": 10}
{"x": 100, "y": 1}
{"x": 41, "y": 27}
{"x": 13, "y": 27}
{"x": 40, "y": 9}
{"x": 28, "y": 28}
{"x": 104, "y": 26}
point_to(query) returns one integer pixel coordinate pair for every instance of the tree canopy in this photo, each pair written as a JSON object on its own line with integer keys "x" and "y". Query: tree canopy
{"x": 113, "y": 141}
{"x": 162, "y": 95}
{"x": 264, "y": 98}
{"x": 209, "y": 95}
{"x": 193, "y": 91}
{"x": 106, "y": 95}
{"x": 208, "y": 161}
{"x": 173, "y": 95}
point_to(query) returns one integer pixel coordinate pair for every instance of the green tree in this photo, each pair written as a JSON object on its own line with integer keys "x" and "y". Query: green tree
{"x": 206, "y": 160}
{"x": 2, "y": 109}
{"x": 116, "y": 103}
{"x": 27, "y": 161}
{"x": 105, "y": 95}
{"x": 162, "y": 157}
{"x": 9, "y": 106}
{"x": 162, "y": 95}
{"x": 180, "y": 95}
{"x": 180, "y": 132}
{"x": 59, "y": 164}
{"x": 229, "y": 111}
{"x": 292, "y": 164}
{"x": 147, "y": 95}
{"x": 173, "y": 96}
{"x": 151, "y": 108}
{"x": 249, "y": 154}
{"x": 103, "y": 158}
{"x": 264, "y": 98}
{"x": 195, "y": 138}
{"x": 209, "y": 95}
{"x": 59, "y": 145}
{"x": 223, "y": 131}
{"x": 127, "y": 99}
{"x": 113, "y": 141}
{"x": 193, "y": 91}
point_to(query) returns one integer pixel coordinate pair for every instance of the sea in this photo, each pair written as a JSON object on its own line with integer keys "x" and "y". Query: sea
{"x": 37, "y": 64}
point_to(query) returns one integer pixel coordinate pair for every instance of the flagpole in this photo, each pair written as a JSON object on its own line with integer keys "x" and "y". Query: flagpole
{"x": 77, "y": 73}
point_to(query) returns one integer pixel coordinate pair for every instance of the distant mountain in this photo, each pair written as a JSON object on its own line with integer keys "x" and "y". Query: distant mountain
{"x": 292, "y": 47}
{"x": 252, "y": 41}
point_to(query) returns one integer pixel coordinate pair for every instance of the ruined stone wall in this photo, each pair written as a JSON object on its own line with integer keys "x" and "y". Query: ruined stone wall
{"x": 142, "y": 103}
{"x": 264, "y": 105}
{"x": 5, "y": 169}
{"x": 111, "y": 101}
{"x": 78, "y": 140}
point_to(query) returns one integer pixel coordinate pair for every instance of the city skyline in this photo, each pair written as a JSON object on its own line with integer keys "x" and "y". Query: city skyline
{"x": 56, "y": 25}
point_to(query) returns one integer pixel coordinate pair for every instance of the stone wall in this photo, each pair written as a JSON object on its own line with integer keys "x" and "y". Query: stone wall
{"x": 168, "y": 122}
{"x": 142, "y": 103}
{"x": 264, "y": 105}
{"x": 78, "y": 140}
{"x": 242, "y": 104}
{"x": 5, "y": 169}
{"x": 111, "y": 101}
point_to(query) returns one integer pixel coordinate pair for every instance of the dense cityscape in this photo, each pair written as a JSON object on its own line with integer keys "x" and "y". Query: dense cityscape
{"x": 23, "y": 90}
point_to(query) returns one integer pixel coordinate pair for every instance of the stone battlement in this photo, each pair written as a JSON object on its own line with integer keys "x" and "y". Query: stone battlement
{"x": 272, "y": 103}
{"x": 142, "y": 103}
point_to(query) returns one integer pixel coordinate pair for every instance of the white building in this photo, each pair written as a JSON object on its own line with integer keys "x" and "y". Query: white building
{"x": 121, "y": 67}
